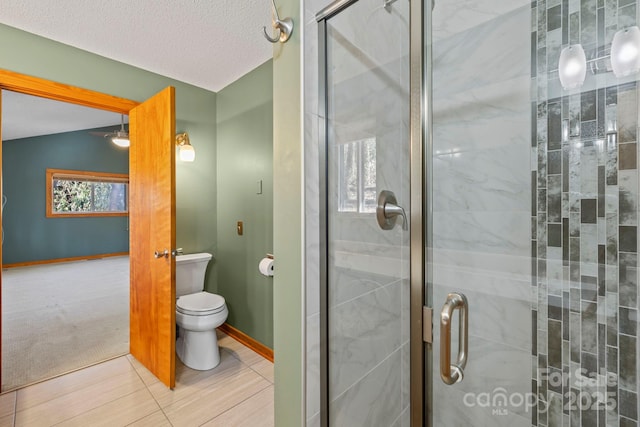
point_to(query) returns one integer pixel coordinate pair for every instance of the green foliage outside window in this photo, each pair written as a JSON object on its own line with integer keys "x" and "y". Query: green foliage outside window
{"x": 88, "y": 196}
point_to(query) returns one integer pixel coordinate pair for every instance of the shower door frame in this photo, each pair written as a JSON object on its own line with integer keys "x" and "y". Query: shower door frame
{"x": 420, "y": 146}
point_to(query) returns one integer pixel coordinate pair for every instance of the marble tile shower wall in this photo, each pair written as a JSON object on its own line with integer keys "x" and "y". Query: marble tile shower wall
{"x": 584, "y": 225}
{"x": 481, "y": 213}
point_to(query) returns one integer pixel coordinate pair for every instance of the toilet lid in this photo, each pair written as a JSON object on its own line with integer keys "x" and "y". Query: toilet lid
{"x": 200, "y": 304}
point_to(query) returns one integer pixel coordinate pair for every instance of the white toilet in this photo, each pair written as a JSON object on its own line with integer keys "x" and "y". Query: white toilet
{"x": 198, "y": 314}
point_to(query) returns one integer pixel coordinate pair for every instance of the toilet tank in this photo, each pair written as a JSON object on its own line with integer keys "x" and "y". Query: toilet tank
{"x": 190, "y": 271}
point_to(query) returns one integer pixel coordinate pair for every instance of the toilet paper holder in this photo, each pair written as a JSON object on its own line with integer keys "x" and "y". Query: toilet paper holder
{"x": 265, "y": 266}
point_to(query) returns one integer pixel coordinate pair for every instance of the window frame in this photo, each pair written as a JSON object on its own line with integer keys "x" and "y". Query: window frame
{"x": 52, "y": 174}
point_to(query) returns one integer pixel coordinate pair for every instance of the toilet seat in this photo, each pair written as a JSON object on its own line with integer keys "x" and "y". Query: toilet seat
{"x": 200, "y": 304}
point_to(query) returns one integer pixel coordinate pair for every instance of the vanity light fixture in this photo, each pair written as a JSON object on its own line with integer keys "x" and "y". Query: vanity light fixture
{"x": 572, "y": 67}
{"x": 625, "y": 52}
{"x": 624, "y": 59}
{"x": 185, "y": 149}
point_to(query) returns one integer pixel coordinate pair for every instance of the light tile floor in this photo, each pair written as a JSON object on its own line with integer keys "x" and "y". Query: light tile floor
{"x": 121, "y": 392}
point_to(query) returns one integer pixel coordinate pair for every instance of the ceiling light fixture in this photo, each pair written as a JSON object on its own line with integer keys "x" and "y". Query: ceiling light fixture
{"x": 185, "y": 149}
{"x": 121, "y": 138}
{"x": 121, "y": 141}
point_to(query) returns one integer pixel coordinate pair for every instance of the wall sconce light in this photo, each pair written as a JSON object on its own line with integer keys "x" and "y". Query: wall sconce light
{"x": 625, "y": 52}
{"x": 185, "y": 149}
{"x": 572, "y": 67}
{"x": 623, "y": 60}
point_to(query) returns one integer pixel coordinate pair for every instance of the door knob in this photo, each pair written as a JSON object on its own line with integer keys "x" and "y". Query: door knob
{"x": 164, "y": 254}
{"x": 388, "y": 211}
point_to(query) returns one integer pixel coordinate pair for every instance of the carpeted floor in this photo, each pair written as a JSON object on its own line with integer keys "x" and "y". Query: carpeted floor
{"x": 61, "y": 317}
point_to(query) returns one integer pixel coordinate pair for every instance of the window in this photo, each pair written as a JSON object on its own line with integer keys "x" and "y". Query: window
{"x": 357, "y": 162}
{"x": 81, "y": 193}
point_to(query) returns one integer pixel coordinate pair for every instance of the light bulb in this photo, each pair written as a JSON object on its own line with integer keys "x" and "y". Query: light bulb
{"x": 187, "y": 153}
{"x": 120, "y": 142}
{"x": 572, "y": 67}
{"x": 625, "y": 52}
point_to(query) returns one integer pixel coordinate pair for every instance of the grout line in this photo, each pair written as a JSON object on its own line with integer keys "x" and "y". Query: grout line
{"x": 228, "y": 374}
{"x": 232, "y": 353}
{"x": 367, "y": 293}
{"x": 359, "y": 380}
{"x": 229, "y": 377}
{"x": 96, "y": 407}
{"x": 62, "y": 374}
{"x": 148, "y": 415}
{"x": 267, "y": 379}
{"x": 90, "y": 384}
{"x": 239, "y": 403}
{"x": 105, "y": 403}
{"x": 402, "y": 410}
{"x": 150, "y": 392}
{"x": 15, "y": 408}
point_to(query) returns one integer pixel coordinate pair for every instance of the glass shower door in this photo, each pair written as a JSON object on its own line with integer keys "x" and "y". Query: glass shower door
{"x": 367, "y": 153}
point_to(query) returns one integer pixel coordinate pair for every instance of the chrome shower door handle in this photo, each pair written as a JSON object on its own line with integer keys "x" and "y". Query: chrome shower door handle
{"x": 388, "y": 210}
{"x": 453, "y": 373}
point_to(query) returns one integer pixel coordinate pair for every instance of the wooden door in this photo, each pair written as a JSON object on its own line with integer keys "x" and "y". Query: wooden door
{"x": 152, "y": 228}
{"x": 1, "y": 212}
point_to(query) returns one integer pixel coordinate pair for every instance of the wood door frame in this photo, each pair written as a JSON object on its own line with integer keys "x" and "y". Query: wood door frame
{"x": 43, "y": 88}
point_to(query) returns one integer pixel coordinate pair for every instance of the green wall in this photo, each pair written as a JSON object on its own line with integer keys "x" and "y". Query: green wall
{"x": 195, "y": 112}
{"x": 244, "y": 157}
{"x": 28, "y": 234}
{"x": 288, "y": 238}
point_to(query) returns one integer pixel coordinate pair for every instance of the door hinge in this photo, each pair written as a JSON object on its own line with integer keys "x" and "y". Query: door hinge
{"x": 427, "y": 324}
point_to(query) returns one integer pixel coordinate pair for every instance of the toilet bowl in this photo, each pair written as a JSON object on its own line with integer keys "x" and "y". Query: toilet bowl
{"x": 198, "y": 314}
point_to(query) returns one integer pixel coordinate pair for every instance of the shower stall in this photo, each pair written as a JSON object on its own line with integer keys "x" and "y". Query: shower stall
{"x": 472, "y": 212}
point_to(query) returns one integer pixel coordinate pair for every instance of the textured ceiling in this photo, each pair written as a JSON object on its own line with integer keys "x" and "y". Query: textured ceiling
{"x": 207, "y": 43}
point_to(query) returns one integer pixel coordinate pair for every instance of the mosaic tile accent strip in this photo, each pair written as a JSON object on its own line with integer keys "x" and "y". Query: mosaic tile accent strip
{"x": 584, "y": 244}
